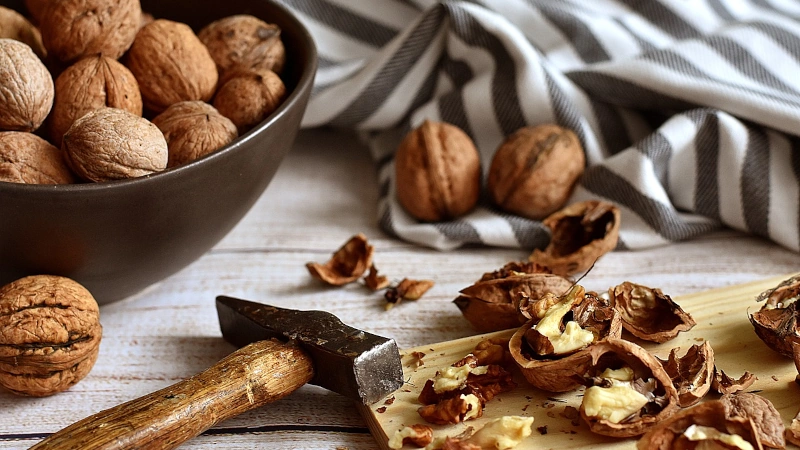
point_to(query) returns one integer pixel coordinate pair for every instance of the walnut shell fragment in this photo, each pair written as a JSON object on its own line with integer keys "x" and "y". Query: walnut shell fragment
{"x": 581, "y": 234}
{"x": 27, "y": 158}
{"x": 648, "y": 313}
{"x": 49, "y": 334}
{"x": 247, "y": 98}
{"x": 26, "y": 88}
{"x": 347, "y": 264}
{"x": 766, "y": 419}
{"x": 407, "y": 289}
{"x": 692, "y": 374}
{"x": 725, "y": 384}
{"x": 244, "y": 42}
{"x": 374, "y": 280}
{"x": 776, "y": 323}
{"x": 493, "y": 304}
{"x": 194, "y": 129}
{"x": 14, "y": 25}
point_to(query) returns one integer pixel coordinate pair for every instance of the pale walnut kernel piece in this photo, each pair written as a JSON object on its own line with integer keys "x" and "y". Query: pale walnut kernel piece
{"x": 725, "y": 384}
{"x": 502, "y": 433}
{"x": 27, "y": 158}
{"x": 437, "y": 172}
{"x": 407, "y": 289}
{"x": 26, "y": 88}
{"x": 648, "y": 313}
{"x": 418, "y": 435}
{"x": 247, "y": 98}
{"x": 692, "y": 374}
{"x": 581, "y": 234}
{"x": 14, "y": 25}
{"x": 452, "y": 410}
{"x": 111, "y": 144}
{"x": 347, "y": 264}
{"x": 766, "y": 419}
{"x": 194, "y": 129}
{"x": 534, "y": 170}
{"x": 793, "y": 432}
{"x": 72, "y": 29}
{"x": 49, "y": 334}
{"x": 244, "y": 42}
{"x": 374, "y": 281}
{"x": 493, "y": 351}
{"x": 776, "y": 323}
{"x": 171, "y": 65}
{"x": 91, "y": 83}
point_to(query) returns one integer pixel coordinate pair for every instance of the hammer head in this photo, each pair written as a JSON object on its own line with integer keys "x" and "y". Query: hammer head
{"x": 348, "y": 361}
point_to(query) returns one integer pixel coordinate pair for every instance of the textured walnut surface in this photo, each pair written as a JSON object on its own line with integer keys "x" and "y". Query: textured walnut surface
{"x": 244, "y": 42}
{"x": 193, "y": 129}
{"x": 249, "y": 97}
{"x": 27, "y": 158}
{"x": 26, "y": 87}
{"x": 14, "y": 25}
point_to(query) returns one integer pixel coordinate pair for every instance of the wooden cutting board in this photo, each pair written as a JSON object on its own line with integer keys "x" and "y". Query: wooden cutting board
{"x": 722, "y": 319}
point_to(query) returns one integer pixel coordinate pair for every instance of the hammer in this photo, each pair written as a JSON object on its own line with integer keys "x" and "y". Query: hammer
{"x": 282, "y": 349}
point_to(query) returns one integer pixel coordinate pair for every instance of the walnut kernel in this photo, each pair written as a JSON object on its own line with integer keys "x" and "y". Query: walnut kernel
{"x": 194, "y": 129}
{"x": 26, "y": 87}
{"x": 27, "y": 158}
{"x": 249, "y": 97}
{"x": 244, "y": 42}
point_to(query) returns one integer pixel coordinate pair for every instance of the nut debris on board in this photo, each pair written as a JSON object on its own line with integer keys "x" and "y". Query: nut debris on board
{"x": 648, "y": 313}
{"x": 347, "y": 264}
{"x": 776, "y": 322}
{"x": 692, "y": 374}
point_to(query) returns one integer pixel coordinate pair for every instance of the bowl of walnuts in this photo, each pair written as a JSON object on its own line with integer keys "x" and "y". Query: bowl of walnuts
{"x": 134, "y": 135}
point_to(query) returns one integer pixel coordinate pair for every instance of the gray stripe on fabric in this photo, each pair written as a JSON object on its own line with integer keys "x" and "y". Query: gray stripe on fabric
{"x": 563, "y": 109}
{"x": 661, "y": 218}
{"x": 721, "y": 10}
{"x": 451, "y": 105}
{"x": 580, "y": 35}
{"x": 796, "y": 166}
{"x": 658, "y": 149}
{"x": 661, "y": 16}
{"x": 755, "y": 185}
{"x": 390, "y": 75}
{"x": 505, "y": 98}
{"x": 644, "y": 44}
{"x": 612, "y": 126}
{"x": 529, "y": 233}
{"x": 741, "y": 58}
{"x": 706, "y": 142}
{"x": 458, "y": 231}
{"x": 458, "y": 71}
{"x": 625, "y": 93}
{"x": 344, "y": 21}
{"x": 789, "y": 41}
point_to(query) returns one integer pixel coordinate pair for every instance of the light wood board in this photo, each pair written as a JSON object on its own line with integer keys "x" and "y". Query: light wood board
{"x": 722, "y": 319}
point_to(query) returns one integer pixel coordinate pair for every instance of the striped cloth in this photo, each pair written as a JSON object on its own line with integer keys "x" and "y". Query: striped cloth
{"x": 688, "y": 110}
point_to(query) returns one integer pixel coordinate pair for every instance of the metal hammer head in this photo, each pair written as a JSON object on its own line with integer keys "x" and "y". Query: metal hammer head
{"x": 348, "y": 361}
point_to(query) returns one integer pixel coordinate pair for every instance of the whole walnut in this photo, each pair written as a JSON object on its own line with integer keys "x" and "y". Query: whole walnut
{"x": 171, "y": 65}
{"x": 91, "y": 83}
{"x": 27, "y": 158}
{"x": 72, "y": 29}
{"x": 249, "y": 97}
{"x": 437, "y": 172}
{"x": 49, "y": 334}
{"x": 111, "y": 144}
{"x": 26, "y": 88}
{"x": 244, "y": 42}
{"x": 14, "y": 25}
{"x": 193, "y": 129}
{"x": 534, "y": 171}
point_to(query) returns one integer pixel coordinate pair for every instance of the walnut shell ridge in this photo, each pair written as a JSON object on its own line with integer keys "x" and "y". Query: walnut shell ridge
{"x": 194, "y": 129}
{"x": 26, "y": 88}
{"x": 27, "y": 158}
{"x": 244, "y": 42}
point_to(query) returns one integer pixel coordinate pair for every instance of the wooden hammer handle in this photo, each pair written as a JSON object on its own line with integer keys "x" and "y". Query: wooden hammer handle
{"x": 252, "y": 376}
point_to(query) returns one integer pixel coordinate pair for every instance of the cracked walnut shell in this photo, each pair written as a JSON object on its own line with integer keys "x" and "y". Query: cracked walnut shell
{"x": 49, "y": 334}
{"x": 347, "y": 264}
{"x": 171, "y": 65}
{"x": 194, "y": 129}
{"x": 244, "y": 42}
{"x": 648, "y": 313}
{"x": 112, "y": 144}
{"x": 26, "y": 88}
{"x": 776, "y": 323}
{"x": 247, "y": 98}
{"x": 27, "y": 158}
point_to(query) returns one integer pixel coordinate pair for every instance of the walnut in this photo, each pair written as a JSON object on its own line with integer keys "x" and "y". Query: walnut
{"x": 194, "y": 129}
{"x": 26, "y": 88}
{"x": 14, "y": 25}
{"x": 171, "y": 65}
{"x": 766, "y": 419}
{"x": 247, "y": 98}
{"x": 72, "y": 29}
{"x": 725, "y": 384}
{"x": 407, "y": 289}
{"x": 692, "y": 374}
{"x": 535, "y": 169}
{"x": 27, "y": 158}
{"x": 89, "y": 84}
{"x": 418, "y": 435}
{"x": 437, "y": 172}
{"x": 347, "y": 264}
{"x": 111, "y": 144}
{"x": 37, "y": 8}
{"x": 244, "y": 42}
{"x": 49, "y": 334}
{"x": 581, "y": 234}
{"x": 648, "y": 313}
{"x": 776, "y": 322}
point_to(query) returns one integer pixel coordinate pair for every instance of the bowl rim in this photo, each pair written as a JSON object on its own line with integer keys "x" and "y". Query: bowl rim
{"x": 304, "y": 83}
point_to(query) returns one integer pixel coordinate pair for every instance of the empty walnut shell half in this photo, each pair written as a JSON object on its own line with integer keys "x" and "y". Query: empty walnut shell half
{"x": 648, "y": 313}
{"x": 649, "y": 381}
{"x": 347, "y": 264}
{"x": 581, "y": 234}
{"x": 492, "y": 305}
{"x": 692, "y": 374}
{"x": 776, "y": 322}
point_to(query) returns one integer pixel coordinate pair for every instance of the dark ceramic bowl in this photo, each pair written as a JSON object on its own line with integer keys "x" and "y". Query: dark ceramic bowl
{"x": 117, "y": 238}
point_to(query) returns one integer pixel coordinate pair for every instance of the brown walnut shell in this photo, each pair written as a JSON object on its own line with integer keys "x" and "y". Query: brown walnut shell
{"x": 648, "y": 313}
{"x": 724, "y": 384}
{"x": 91, "y": 83}
{"x": 26, "y": 88}
{"x": 766, "y": 419}
{"x": 112, "y": 144}
{"x": 49, "y": 334}
{"x": 581, "y": 234}
{"x": 776, "y": 323}
{"x": 37, "y": 8}
{"x": 692, "y": 374}
{"x": 194, "y": 129}
{"x": 27, "y": 158}
{"x": 171, "y": 65}
{"x": 437, "y": 172}
{"x": 72, "y": 29}
{"x": 14, "y": 25}
{"x": 244, "y": 42}
{"x": 347, "y": 264}
{"x": 534, "y": 170}
{"x": 247, "y": 98}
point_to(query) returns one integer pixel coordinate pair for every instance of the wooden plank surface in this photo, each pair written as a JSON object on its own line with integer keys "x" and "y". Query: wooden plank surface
{"x": 722, "y": 320}
{"x": 324, "y": 193}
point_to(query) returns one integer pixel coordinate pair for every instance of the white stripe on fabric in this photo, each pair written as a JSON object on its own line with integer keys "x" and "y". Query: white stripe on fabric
{"x": 785, "y": 200}
{"x": 772, "y": 56}
{"x": 680, "y": 132}
{"x": 492, "y": 229}
{"x": 646, "y": 31}
{"x": 616, "y": 40}
{"x": 700, "y": 16}
{"x": 733, "y": 139}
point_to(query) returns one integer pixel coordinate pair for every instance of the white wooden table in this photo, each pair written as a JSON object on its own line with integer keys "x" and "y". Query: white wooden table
{"x": 325, "y": 192}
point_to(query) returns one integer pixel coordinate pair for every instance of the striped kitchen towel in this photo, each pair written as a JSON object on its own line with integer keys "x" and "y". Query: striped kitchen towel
{"x": 688, "y": 110}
